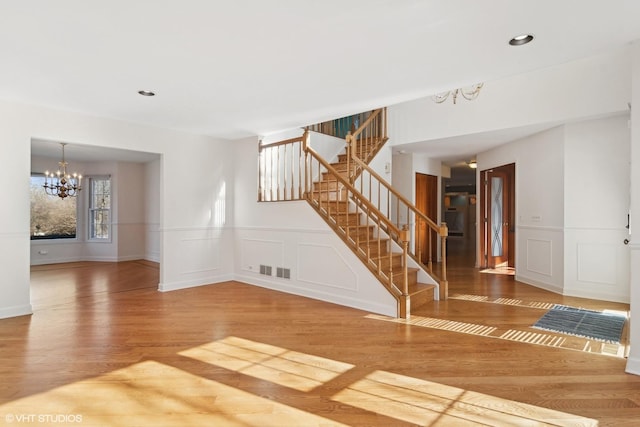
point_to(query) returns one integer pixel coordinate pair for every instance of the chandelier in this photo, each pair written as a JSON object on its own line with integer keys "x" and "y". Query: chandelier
{"x": 469, "y": 94}
{"x": 61, "y": 183}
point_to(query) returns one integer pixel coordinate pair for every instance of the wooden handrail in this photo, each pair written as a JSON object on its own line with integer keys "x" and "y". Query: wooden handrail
{"x": 283, "y": 142}
{"x": 393, "y": 191}
{"x": 366, "y": 123}
{"x": 391, "y": 226}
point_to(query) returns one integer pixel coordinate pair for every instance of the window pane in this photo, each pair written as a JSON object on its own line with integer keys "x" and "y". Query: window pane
{"x": 51, "y": 216}
{"x": 99, "y": 223}
{"x": 496, "y": 216}
{"x": 99, "y": 209}
{"x": 100, "y": 193}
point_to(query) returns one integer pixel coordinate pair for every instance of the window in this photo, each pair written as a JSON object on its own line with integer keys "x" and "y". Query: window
{"x": 51, "y": 216}
{"x": 99, "y": 208}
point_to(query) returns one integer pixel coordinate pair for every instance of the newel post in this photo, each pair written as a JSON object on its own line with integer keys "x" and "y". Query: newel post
{"x": 307, "y": 166}
{"x": 444, "y": 283}
{"x": 404, "y": 238}
{"x": 349, "y": 139}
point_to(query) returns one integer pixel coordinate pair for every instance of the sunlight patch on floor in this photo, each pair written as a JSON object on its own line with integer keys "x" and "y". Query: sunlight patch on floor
{"x": 299, "y": 371}
{"x": 151, "y": 393}
{"x": 426, "y": 403}
{"x": 445, "y": 325}
{"x": 515, "y": 335}
{"x": 503, "y": 301}
{"x": 507, "y": 271}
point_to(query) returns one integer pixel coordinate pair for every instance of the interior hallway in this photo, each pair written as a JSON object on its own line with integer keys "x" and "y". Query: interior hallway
{"x": 105, "y": 344}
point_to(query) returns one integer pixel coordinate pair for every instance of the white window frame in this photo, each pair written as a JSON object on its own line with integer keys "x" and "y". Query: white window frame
{"x": 92, "y": 209}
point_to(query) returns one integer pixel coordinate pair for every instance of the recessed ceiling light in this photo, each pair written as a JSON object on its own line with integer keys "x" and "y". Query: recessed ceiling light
{"x": 146, "y": 93}
{"x": 521, "y": 39}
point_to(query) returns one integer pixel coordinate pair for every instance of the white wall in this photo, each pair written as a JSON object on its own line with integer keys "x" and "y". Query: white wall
{"x": 560, "y": 94}
{"x": 633, "y": 362}
{"x": 293, "y": 236}
{"x": 572, "y": 198}
{"x": 596, "y": 207}
{"x": 196, "y": 184}
{"x": 539, "y": 163}
{"x": 152, "y": 173}
{"x": 128, "y": 210}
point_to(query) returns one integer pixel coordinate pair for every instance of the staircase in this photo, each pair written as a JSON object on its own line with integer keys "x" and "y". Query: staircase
{"x": 361, "y": 207}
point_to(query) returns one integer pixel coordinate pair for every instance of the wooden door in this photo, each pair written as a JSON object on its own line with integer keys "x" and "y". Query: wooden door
{"x": 498, "y": 213}
{"x": 427, "y": 203}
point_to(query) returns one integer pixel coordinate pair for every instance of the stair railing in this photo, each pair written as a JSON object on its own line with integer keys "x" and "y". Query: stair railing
{"x": 401, "y": 212}
{"x": 340, "y": 127}
{"x": 281, "y": 170}
{"x": 340, "y": 206}
{"x": 366, "y": 140}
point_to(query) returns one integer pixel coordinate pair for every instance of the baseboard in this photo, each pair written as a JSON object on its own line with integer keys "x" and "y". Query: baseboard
{"x": 546, "y": 286}
{"x": 369, "y": 306}
{"x": 175, "y": 286}
{"x": 596, "y": 295}
{"x": 54, "y": 260}
{"x": 153, "y": 257}
{"x": 15, "y": 311}
{"x": 633, "y": 366}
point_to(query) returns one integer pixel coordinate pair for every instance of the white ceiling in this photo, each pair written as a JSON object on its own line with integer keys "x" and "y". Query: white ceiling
{"x": 236, "y": 68}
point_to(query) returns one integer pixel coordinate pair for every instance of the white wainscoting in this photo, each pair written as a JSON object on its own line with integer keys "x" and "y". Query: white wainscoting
{"x": 312, "y": 264}
{"x": 196, "y": 256}
{"x": 256, "y": 252}
{"x": 597, "y": 264}
{"x": 152, "y": 242}
{"x": 539, "y": 257}
{"x": 321, "y": 266}
{"x": 15, "y": 284}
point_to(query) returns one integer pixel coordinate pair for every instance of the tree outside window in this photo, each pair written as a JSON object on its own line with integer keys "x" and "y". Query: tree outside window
{"x": 51, "y": 216}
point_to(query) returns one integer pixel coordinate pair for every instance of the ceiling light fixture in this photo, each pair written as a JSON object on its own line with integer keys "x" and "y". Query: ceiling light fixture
{"x": 473, "y": 165}
{"x": 146, "y": 93}
{"x": 521, "y": 39}
{"x": 62, "y": 184}
{"x": 469, "y": 94}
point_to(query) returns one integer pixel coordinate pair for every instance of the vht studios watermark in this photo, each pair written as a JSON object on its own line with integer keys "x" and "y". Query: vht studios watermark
{"x": 43, "y": 418}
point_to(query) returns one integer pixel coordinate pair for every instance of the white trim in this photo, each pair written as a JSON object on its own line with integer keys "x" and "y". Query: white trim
{"x": 538, "y": 284}
{"x": 539, "y": 227}
{"x": 288, "y": 230}
{"x": 633, "y": 366}
{"x": 185, "y": 284}
{"x": 288, "y": 288}
{"x": 15, "y": 311}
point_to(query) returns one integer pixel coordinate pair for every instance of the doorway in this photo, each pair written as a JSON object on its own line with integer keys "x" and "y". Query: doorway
{"x": 498, "y": 232}
{"x": 427, "y": 203}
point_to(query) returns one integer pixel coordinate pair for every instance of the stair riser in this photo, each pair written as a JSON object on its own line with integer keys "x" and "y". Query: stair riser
{"x": 421, "y": 298}
{"x": 412, "y": 278}
{"x": 361, "y": 233}
{"x": 329, "y": 195}
{"x": 328, "y": 176}
{"x": 326, "y": 186}
{"x": 395, "y": 262}
{"x": 347, "y": 220}
{"x": 375, "y": 251}
{"x": 333, "y": 207}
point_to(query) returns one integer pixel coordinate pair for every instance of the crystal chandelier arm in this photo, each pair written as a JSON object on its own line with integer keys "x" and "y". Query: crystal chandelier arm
{"x": 472, "y": 94}
{"x": 439, "y": 98}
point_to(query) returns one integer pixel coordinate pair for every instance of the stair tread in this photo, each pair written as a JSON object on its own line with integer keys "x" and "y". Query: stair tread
{"x": 409, "y": 270}
{"x": 420, "y": 287}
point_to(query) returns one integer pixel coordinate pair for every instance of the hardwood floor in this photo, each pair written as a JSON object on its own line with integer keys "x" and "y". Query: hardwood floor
{"x": 105, "y": 348}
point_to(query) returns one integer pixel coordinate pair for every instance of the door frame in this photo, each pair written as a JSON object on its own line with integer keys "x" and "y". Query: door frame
{"x": 426, "y": 201}
{"x": 509, "y": 199}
